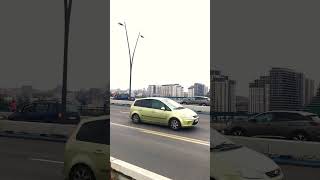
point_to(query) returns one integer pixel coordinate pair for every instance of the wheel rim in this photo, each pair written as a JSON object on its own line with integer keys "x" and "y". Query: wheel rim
{"x": 174, "y": 124}
{"x": 238, "y": 133}
{"x": 135, "y": 118}
{"x": 300, "y": 137}
{"x": 82, "y": 174}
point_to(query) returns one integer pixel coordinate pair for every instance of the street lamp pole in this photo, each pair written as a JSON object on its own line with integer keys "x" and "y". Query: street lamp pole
{"x": 130, "y": 57}
{"x": 67, "y": 14}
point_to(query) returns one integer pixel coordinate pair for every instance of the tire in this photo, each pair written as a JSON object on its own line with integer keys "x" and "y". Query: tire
{"x": 300, "y": 136}
{"x": 81, "y": 172}
{"x": 135, "y": 118}
{"x": 174, "y": 124}
{"x": 238, "y": 132}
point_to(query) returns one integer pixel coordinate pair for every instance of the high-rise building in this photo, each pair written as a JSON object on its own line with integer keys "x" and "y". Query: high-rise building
{"x": 191, "y": 91}
{"x": 309, "y": 91}
{"x": 199, "y": 89}
{"x": 283, "y": 89}
{"x": 154, "y": 90}
{"x": 223, "y": 94}
{"x": 286, "y": 89}
{"x": 259, "y": 91}
{"x": 172, "y": 90}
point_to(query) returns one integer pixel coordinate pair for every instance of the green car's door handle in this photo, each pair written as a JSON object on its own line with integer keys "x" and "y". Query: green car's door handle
{"x": 98, "y": 151}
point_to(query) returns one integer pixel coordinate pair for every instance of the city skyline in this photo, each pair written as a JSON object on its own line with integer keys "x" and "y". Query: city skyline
{"x": 265, "y": 37}
{"x": 175, "y": 47}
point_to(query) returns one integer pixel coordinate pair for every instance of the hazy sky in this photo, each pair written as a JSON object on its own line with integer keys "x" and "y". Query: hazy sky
{"x": 252, "y": 36}
{"x": 31, "y": 43}
{"x": 176, "y": 47}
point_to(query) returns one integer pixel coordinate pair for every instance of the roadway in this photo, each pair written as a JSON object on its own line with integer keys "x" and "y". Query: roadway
{"x": 178, "y": 155}
{"x": 181, "y": 155}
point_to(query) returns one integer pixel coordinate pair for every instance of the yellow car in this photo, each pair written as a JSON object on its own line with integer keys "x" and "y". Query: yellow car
{"x": 162, "y": 111}
{"x": 87, "y": 151}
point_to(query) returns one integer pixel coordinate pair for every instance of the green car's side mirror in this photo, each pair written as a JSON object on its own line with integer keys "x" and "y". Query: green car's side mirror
{"x": 163, "y": 108}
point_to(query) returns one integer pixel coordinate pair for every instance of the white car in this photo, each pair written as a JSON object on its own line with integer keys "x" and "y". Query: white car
{"x": 230, "y": 161}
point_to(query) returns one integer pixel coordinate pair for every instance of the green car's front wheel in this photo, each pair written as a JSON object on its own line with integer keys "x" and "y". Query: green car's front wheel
{"x": 135, "y": 118}
{"x": 81, "y": 172}
{"x": 175, "y": 124}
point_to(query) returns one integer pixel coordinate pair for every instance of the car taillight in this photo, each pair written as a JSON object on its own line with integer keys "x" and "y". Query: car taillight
{"x": 313, "y": 123}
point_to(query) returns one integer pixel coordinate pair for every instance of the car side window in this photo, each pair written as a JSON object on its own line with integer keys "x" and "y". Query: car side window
{"x": 94, "y": 132}
{"x": 41, "y": 107}
{"x": 146, "y": 103}
{"x": 53, "y": 108}
{"x": 267, "y": 117}
{"x": 28, "y": 108}
{"x": 138, "y": 103}
{"x": 156, "y": 104}
{"x": 296, "y": 117}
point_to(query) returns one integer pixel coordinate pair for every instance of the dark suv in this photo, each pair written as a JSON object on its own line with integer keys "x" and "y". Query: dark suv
{"x": 46, "y": 111}
{"x": 296, "y": 125}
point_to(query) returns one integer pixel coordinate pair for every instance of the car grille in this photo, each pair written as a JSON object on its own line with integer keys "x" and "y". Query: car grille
{"x": 274, "y": 173}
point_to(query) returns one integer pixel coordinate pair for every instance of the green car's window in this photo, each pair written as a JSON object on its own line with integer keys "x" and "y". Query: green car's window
{"x": 94, "y": 132}
{"x": 146, "y": 103}
{"x": 156, "y": 104}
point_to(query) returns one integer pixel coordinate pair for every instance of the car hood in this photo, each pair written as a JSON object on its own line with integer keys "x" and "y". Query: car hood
{"x": 185, "y": 112}
{"x": 243, "y": 159}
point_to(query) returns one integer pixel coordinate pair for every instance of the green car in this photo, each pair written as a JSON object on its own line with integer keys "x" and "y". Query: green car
{"x": 162, "y": 111}
{"x": 87, "y": 151}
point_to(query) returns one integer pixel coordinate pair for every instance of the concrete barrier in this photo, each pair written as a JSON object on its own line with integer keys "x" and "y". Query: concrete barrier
{"x": 124, "y": 171}
{"x": 36, "y": 128}
{"x": 300, "y": 152}
{"x": 201, "y": 109}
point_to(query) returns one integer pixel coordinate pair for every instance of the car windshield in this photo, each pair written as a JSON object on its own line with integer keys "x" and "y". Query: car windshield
{"x": 221, "y": 143}
{"x": 72, "y": 108}
{"x": 172, "y": 104}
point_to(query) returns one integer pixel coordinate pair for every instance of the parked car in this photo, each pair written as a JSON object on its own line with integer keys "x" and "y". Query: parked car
{"x": 197, "y": 100}
{"x": 296, "y": 125}
{"x": 123, "y": 97}
{"x": 46, "y": 111}
{"x": 230, "y": 161}
{"x": 87, "y": 151}
{"x": 162, "y": 111}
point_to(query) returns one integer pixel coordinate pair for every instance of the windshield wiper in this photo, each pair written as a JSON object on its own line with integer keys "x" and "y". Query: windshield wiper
{"x": 179, "y": 108}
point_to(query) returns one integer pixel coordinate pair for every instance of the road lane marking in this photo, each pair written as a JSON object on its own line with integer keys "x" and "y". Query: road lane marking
{"x": 124, "y": 112}
{"x": 172, "y": 136}
{"x": 46, "y": 160}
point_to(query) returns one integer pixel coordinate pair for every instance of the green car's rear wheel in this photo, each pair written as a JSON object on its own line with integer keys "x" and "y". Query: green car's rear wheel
{"x": 135, "y": 118}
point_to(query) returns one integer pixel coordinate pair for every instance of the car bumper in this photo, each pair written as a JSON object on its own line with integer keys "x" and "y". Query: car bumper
{"x": 189, "y": 122}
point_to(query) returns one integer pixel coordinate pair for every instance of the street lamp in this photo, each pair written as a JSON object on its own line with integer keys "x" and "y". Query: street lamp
{"x": 67, "y": 14}
{"x": 130, "y": 57}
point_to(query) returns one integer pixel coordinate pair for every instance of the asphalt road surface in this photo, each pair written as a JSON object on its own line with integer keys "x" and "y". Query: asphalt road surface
{"x": 178, "y": 155}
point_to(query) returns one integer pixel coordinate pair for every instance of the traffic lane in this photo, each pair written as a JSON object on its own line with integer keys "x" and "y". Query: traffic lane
{"x": 175, "y": 159}
{"x": 300, "y": 172}
{"x": 120, "y": 115}
{"x": 21, "y": 159}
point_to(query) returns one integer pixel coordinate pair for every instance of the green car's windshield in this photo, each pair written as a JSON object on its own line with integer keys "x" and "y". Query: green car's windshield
{"x": 172, "y": 104}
